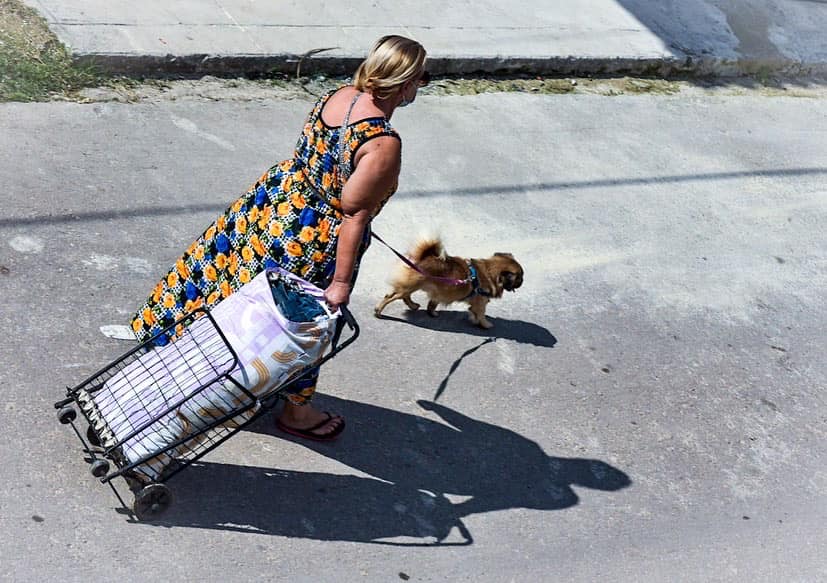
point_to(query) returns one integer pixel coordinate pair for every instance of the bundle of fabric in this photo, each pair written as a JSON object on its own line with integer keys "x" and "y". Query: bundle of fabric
{"x": 174, "y": 396}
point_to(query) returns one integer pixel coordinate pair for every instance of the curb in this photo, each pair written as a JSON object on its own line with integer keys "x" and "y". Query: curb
{"x": 198, "y": 65}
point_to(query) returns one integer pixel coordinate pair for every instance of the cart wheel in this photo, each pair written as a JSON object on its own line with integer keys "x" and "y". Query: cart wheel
{"x": 152, "y": 501}
{"x": 99, "y": 468}
{"x": 67, "y": 414}
{"x": 92, "y": 437}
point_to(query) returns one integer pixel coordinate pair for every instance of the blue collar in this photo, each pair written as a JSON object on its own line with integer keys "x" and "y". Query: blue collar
{"x": 476, "y": 290}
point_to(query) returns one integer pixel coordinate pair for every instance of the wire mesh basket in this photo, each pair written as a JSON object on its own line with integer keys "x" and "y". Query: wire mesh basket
{"x": 156, "y": 409}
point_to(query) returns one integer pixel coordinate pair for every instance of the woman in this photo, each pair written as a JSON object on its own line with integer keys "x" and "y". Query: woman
{"x": 310, "y": 214}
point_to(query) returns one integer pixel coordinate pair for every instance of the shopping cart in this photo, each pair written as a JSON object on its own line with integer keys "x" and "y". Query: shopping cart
{"x": 164, "y": 404}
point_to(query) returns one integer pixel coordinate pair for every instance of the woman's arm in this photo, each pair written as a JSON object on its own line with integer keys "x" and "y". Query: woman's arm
{"x": 376, "y": 172}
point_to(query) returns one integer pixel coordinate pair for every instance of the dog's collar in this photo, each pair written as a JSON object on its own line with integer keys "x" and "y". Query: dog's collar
{"x": 474, "y": 280}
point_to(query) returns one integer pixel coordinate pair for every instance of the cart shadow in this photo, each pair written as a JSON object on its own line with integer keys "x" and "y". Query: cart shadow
{"x": 457, "y": 322}
{"x": 424, "y": 475}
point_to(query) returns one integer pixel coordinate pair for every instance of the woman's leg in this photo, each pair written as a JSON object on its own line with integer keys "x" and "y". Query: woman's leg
{"x": 299, "y": 414}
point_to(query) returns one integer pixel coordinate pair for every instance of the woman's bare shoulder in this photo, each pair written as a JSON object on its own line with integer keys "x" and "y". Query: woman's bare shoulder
{"x": 384, "y": 152}
{"x": 336, "y": 107}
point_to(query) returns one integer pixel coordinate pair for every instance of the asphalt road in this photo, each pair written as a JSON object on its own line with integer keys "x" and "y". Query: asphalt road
{"x": 649, "y": 406}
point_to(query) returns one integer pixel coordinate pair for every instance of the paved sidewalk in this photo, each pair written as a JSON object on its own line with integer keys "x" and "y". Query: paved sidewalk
{"x": 663, "y": 37}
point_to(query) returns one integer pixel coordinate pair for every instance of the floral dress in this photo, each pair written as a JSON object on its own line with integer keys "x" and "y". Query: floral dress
{"x": 290, "y": 217}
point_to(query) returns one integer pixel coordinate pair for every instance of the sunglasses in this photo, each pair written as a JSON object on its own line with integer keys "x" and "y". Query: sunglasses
{"x": 424, "y": 79}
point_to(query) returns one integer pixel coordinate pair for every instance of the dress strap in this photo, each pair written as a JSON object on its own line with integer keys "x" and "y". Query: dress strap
{"x": 316, "y": 112}
{"x": 344, "y": 172}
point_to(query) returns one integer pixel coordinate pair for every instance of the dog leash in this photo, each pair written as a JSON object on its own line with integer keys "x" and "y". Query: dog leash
{"x": 472, "y": 272}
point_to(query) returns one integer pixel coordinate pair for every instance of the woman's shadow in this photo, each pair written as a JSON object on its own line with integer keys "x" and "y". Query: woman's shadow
{"x": 425, "y": 477}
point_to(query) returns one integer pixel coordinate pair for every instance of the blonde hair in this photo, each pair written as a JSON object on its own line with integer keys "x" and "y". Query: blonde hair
{"x": 393, "y": 61}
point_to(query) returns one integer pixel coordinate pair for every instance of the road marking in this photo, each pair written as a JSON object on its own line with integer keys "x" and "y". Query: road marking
{"x": 109, "y": 263}
{"x": 506, "y": 361}
{"x": 24, "y": 244}
{"x": 189, "y": 126}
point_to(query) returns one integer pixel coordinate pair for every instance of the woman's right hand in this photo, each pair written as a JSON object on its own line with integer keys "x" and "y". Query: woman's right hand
{"x": 337, "y": 294}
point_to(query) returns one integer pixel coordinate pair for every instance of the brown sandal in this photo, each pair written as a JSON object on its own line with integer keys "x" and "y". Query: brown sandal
{"x": 309, "y": 432}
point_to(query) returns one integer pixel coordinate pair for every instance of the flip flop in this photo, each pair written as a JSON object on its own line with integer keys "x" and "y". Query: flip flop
{"x": 308, "y": 433}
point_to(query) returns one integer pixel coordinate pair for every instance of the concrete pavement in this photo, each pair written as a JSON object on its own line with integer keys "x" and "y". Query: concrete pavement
{"x": 565, "y": 37}
{"x": 652, "y": 406}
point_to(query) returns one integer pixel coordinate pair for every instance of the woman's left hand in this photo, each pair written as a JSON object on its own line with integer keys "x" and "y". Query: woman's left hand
{"x": 337, "y": 294}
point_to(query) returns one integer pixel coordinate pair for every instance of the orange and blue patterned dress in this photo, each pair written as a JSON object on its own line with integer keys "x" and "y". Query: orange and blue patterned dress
{"x": 290, "y": 217}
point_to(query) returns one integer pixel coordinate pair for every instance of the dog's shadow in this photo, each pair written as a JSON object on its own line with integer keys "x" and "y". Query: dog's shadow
{"x": 457, "y": 322}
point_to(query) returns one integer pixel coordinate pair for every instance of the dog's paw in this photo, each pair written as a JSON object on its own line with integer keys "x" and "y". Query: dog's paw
{"x": 413, "y": 306}
{"x": 482, "y": 322}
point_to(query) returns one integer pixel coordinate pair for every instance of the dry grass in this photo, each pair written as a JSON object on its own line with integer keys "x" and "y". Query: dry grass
{"x": 34, "y": 65}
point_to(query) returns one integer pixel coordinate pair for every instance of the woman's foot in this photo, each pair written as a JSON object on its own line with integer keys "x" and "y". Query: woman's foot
{"x": 310, "y": 423}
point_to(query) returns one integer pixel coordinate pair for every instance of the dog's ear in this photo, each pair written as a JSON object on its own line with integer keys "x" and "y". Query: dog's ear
{"x": 509, "y": 255}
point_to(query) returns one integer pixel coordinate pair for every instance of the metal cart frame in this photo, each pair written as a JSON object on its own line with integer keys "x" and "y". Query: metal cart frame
{"x": 151, "y": 494}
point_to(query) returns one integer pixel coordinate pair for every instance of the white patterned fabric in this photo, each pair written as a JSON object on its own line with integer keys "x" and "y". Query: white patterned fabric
{"x": 184, "y": 374}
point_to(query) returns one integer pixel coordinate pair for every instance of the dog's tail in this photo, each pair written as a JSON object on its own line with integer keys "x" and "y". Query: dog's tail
{"x": 427, "y": 247}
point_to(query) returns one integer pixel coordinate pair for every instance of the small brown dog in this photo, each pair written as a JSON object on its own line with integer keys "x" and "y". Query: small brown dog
{"x": 482, "y": 279}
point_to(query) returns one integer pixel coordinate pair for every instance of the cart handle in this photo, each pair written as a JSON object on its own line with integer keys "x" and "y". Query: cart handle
{"x": 347, "y": 318}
